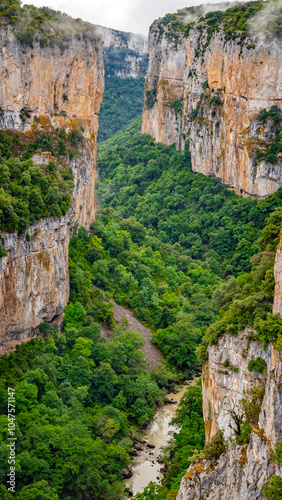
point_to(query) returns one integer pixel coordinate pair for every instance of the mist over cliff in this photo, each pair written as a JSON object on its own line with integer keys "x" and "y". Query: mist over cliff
{"x": 207, "y": 83}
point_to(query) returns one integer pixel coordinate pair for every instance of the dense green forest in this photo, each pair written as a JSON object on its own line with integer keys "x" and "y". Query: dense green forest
{"x": 197, "y": 263}
{"x": 80, "y": 403}
{"x": 123, "y": 100}
{"x": 191, "y": 259}
{"x": 224, "y": 266}
{"x": 100, "y": 393}
{"x": 123, "y": 94}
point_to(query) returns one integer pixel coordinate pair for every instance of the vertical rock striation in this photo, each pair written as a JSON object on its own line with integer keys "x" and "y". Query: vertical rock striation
{"x": 242, "y": 470}
{"x": 210, "y": 88}
{"x": 42, "y": 89}
{"x": 226, "y": 378}
{"x": 277, "y": 305}
{"x": 210, "y": 91}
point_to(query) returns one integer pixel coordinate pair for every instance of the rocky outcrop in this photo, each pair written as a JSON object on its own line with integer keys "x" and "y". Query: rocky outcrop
{"x": 210, "y": 91}
{"x": 241, "y": 471}
{"x": 226, "y": 379}
{"x": 238, "y": 474}
{"x": 34, "y": 279}
{"x": 126, "y": 54}
{"x": 42, "y": 89}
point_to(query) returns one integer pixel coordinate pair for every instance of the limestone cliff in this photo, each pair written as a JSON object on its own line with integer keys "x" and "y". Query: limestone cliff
{"x": 242, "y": 470}
{"x": 43, "y": 88}
{"x": 210, "y": 90}
{"x": 126, "y": 54}
{"x": 277, "y": 305}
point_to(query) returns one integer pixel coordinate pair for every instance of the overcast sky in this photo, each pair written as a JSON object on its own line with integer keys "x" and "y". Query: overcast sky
{"x": 125, "y": 15}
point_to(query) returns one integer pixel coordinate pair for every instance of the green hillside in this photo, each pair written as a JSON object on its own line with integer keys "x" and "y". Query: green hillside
{"x": 123, "y": 101}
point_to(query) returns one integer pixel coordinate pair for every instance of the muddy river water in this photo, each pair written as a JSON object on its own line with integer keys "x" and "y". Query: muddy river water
{"x": 146, "y": 467}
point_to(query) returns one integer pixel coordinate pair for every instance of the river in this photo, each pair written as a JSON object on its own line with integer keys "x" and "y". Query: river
{"x": 146, "y": 467}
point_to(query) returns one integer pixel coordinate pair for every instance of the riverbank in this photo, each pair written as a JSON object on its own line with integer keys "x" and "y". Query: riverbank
{"x": 147, "y": 466}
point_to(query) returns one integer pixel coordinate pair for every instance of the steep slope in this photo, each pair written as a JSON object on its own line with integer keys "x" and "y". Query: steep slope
{"x": 208, "y": 82}
{"x": 45, "y": 87}
{"x": 151, "y": 353}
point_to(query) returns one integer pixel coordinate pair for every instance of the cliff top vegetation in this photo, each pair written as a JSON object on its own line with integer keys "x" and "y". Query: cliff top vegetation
{"x": 41, "y": 24}
{"x": 238, "y": 21}
{"x": 248, "y": 299}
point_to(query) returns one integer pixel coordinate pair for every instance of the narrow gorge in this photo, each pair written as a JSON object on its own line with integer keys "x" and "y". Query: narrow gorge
{"x": 213, "y": 92}
{"x": 141, "y": 259}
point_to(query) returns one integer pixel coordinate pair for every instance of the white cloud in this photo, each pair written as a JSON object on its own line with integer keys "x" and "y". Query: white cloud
{"x": 125, "y": 15}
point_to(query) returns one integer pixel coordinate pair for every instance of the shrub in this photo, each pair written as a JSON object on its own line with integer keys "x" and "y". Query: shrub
{"x": 216, "y": 447}
{"x": 151, "y": 97}
{"x": 268, "y": 330}
{"x": 177, "y": 105}
{"x": 272, "y": 490}
{"x": 75, "y": 137}
{"x": 257, "y": 365}
{"x": 251, "y": 403}
{"x": 2, "y": 252}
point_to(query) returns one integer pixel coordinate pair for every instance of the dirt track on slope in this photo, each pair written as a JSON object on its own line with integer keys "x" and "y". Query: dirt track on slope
{"x": 151, "y": 353}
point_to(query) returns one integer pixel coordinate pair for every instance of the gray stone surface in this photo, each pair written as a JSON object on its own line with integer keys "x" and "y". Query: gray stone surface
{"x": 151, "y": 353}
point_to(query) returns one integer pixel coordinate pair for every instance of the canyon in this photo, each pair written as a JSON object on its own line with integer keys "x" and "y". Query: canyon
{"x": 206, "y": 91}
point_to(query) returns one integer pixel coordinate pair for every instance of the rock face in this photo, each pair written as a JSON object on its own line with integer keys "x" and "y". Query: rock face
{"x": 34, "y": 279}
{"x": 223, "y": 385}
{"x": 210, "y": 91}
{"x": 242, "y": 470}
{"x": 132, "y": 41}
{"x": 126, "y": 54}
{"x": 238, "y": 474}
{"x": 42, "y": 89}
